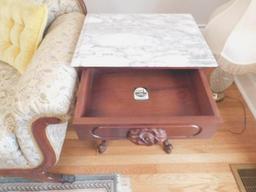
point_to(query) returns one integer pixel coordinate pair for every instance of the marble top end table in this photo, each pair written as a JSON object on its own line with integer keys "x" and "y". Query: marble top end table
{"x": 142, "y": 79}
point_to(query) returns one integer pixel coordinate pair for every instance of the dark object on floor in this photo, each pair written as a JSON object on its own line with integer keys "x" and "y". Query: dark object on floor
{"x": 245, "y": 176}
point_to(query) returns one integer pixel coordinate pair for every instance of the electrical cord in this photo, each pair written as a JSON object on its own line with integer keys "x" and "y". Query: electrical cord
{"x": 244, "y": 118}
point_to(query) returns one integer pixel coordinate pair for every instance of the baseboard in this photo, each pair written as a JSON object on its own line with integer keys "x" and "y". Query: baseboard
{"x": 247, "y": 86}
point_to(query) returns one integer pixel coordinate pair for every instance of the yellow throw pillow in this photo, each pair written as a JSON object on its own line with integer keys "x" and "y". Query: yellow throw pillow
{"x": 22, "y": 24}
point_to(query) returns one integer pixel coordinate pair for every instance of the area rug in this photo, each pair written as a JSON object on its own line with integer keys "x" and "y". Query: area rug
{"x": 83, "y": 183}
{"x": 245, "y": 176}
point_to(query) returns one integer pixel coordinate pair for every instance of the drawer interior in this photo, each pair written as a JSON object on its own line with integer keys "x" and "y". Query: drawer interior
{"x": 106, "y": 92}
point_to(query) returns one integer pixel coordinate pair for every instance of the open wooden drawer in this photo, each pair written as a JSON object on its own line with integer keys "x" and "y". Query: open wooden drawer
{"x": 179, "y": 102}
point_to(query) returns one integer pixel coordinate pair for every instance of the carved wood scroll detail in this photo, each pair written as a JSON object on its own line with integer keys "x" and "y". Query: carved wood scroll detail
{"x": 148, "y": 137}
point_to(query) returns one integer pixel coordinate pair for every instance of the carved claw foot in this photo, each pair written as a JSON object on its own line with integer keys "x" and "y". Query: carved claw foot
{"x": 167, "y": 146}
{"x": 102, "y": 147}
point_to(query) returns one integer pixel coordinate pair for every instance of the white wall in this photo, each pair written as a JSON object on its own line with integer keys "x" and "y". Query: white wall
{"x": 247, "y": 87}
{"x": 201, "y": 9}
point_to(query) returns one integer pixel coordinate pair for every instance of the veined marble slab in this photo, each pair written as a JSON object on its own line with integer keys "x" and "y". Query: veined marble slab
{"x": 142, "y": 40}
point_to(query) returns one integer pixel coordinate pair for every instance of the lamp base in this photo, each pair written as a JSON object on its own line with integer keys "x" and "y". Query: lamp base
{"x": 218, "y": 96}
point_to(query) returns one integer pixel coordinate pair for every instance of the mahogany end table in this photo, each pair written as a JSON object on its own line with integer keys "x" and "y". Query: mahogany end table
{"x": 142, "y": 79}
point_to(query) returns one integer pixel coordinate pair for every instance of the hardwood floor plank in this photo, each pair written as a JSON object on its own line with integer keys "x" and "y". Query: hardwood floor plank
{"x": 187, "y": 182}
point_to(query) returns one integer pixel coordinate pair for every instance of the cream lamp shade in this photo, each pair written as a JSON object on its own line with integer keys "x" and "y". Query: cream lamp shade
{"x": 231, "y": 34}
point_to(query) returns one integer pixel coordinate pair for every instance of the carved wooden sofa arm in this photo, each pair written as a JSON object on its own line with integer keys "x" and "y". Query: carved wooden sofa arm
{"x": 40, "y": 172}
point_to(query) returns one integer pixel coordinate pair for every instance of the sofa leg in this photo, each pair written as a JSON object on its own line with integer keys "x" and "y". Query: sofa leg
{"x": 220, "y": 81}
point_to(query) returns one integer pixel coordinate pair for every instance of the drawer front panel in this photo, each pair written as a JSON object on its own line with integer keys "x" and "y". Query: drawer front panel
{"x": 173, "y": 131}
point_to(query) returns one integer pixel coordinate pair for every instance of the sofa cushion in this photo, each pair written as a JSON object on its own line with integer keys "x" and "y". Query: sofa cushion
{"x": 11, "y": 156}
{"x": 22, "y": 25}
{"x": 8, "y": 80}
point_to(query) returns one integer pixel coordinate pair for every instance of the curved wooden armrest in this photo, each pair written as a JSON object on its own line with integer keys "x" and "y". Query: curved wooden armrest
{"x": 39, "y": 131}
{"x": 40, "y": 173}
{"x": 83, "y": 6}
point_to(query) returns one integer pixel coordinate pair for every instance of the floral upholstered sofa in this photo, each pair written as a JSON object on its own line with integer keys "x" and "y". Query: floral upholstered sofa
{"x": 34, "y": 106}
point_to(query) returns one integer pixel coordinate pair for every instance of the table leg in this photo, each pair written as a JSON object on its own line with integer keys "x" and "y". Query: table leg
{"x": 102, "y": 147}
{"x": 167, "y": 146}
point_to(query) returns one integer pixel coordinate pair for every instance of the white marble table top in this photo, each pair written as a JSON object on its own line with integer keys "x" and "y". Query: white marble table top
{"x": 142, "y": 40}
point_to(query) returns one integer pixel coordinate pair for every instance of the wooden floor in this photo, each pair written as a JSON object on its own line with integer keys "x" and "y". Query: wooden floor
{"x": 194, "y": 165}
